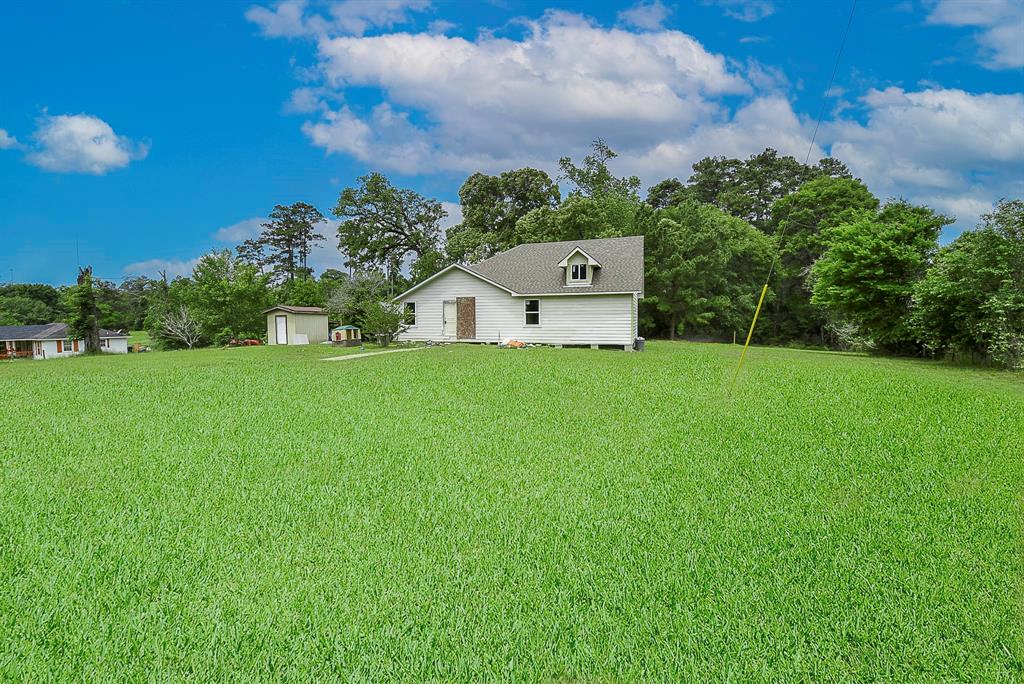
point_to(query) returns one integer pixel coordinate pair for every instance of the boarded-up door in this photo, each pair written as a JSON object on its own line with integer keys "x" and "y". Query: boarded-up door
{"x": 467, "y": 317}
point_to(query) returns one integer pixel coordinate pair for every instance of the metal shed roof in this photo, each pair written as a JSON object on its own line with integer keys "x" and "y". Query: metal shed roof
{"x": 297, "y": 309}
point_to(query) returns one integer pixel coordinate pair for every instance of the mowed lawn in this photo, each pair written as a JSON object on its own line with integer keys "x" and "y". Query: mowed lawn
{"x": 475, "y": 514}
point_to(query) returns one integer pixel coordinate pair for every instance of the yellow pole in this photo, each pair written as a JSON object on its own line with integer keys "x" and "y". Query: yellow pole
{"x": 750, "y": 334}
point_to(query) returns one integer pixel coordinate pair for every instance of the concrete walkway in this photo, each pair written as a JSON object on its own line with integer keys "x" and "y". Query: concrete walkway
{"x": 346, "y": 357}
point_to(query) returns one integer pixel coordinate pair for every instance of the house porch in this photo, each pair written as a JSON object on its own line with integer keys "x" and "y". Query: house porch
{"x": 18, "y": 349}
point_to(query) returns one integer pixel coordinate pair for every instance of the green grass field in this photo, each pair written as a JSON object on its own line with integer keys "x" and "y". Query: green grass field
{"x": 468, "y": 513}
{"x": 139, "y": 337}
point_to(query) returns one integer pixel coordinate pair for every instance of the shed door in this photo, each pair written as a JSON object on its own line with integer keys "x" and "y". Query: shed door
{"x": 450, "y": 316}
{"x": 282, "y": 330}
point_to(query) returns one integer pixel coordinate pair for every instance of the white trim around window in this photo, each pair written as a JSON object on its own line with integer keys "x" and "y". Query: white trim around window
{"x": 409, "y": 310}
{"x": 531, "y": 312}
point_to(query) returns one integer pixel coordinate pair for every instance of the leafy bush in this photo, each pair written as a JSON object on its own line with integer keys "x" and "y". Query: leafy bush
{"x": 383, "y": 321}
{"x": 971, "y": 300}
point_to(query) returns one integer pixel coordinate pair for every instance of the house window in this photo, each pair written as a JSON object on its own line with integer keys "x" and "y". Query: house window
{"x": 67, "y": 345}
{"x": 579, "y": 272}
{"x": 104, "y": 343}
{"x": 532, "y": 312}
{"x": 410, "y": 313}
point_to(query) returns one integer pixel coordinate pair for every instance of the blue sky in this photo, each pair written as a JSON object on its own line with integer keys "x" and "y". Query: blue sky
{"x": 137, "y": 136}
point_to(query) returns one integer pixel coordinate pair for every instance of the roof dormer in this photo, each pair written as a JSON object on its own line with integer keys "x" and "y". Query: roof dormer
{"x": 579, "y": 268}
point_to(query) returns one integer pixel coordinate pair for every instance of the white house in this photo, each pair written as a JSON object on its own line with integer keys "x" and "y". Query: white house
{"x": 51, "y": 341}
{"x": 579, "y": 292}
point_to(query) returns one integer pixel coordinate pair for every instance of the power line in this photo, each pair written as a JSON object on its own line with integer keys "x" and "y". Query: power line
{"x": 817, "y": 125}
{"x": 807, "y": 157}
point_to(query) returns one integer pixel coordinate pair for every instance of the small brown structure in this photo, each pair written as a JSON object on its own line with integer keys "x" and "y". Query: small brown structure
{"x": 346, "y": 336}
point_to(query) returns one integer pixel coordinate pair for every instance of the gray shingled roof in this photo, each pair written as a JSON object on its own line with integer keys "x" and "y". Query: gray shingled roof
{"x": 533, "y": 268}
{"x": 46, "y": 331}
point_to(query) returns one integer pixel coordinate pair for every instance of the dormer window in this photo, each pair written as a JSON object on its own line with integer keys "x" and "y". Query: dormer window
{"x": 579, "y": 268}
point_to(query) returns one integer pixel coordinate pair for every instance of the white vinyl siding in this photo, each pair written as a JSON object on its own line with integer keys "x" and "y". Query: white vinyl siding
{"x": 313, "y": 326}
{"x": 49, "y": 349}
{"x": 566, "y": 319}
{"x": 116, "y": 345}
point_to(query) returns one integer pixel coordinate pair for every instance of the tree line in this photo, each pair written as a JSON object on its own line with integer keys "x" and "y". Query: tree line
{"x": 844, "y": 269}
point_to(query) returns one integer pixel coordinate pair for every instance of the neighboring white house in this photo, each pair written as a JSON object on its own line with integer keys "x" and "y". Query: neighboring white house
{"x": 296, "y": 325}
{"x": 51, "y": 341}
{"x": 579, "y": 292}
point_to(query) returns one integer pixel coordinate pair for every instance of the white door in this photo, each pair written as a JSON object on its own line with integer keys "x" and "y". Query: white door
{"x": 282, "y": 330}
{"x": 450, "y": 314}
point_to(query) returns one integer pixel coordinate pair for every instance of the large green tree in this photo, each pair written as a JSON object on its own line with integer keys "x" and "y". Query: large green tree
{"x": 580, "y": 218}
{"x": 666, "y": 193}
{"x": 286, "y": 241}
{"x": 225, "y": 297}
{"x": 30, "y": 304}
{"x": 351, "y": 298}
{"x": 871, "y": 265}
{"x": 703, "y": 269}
{"x": 971, "y": 300}
{"x": 491, "y": 206}
{"x": 798, "y": 221}
{"x": 300, "y": 292}
{"x": 83, "y": 308}
{"x": 136, "y": 294}
{"x": 593, "y": 178}
{"x": 382, "y": 227}
{"x": 748, "y": 188}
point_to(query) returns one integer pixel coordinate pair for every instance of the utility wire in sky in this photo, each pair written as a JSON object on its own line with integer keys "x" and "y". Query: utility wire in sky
{"x": 807, "y": 157}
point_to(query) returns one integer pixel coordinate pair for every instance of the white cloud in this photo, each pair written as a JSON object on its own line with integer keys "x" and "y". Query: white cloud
{"x": 954, "y": 150}
{"x": 745, "y": 10}
{"x": 7, "y": 141}
{"x": 765, "y": 77}
{"x": 304, "y": 101}
{"x": 765, "y": 122}
{"x": 1001, "y": 24}
{"x": 326, "y": 254}
{"x": 357, "y": 16}
{"x": 440, "y": 26}
{"x": 153, "y": 267}
{"x": 288, "y": 18}
{"x": 658, "y": 97}
{"x": 240, "y": 231}
{"x": 81, "y": 143}
{"x": 285, "y": 20}
{"x": 454, "y": 216}
{"x": 649, "y": 16}
{"x": 495, "y": 102}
